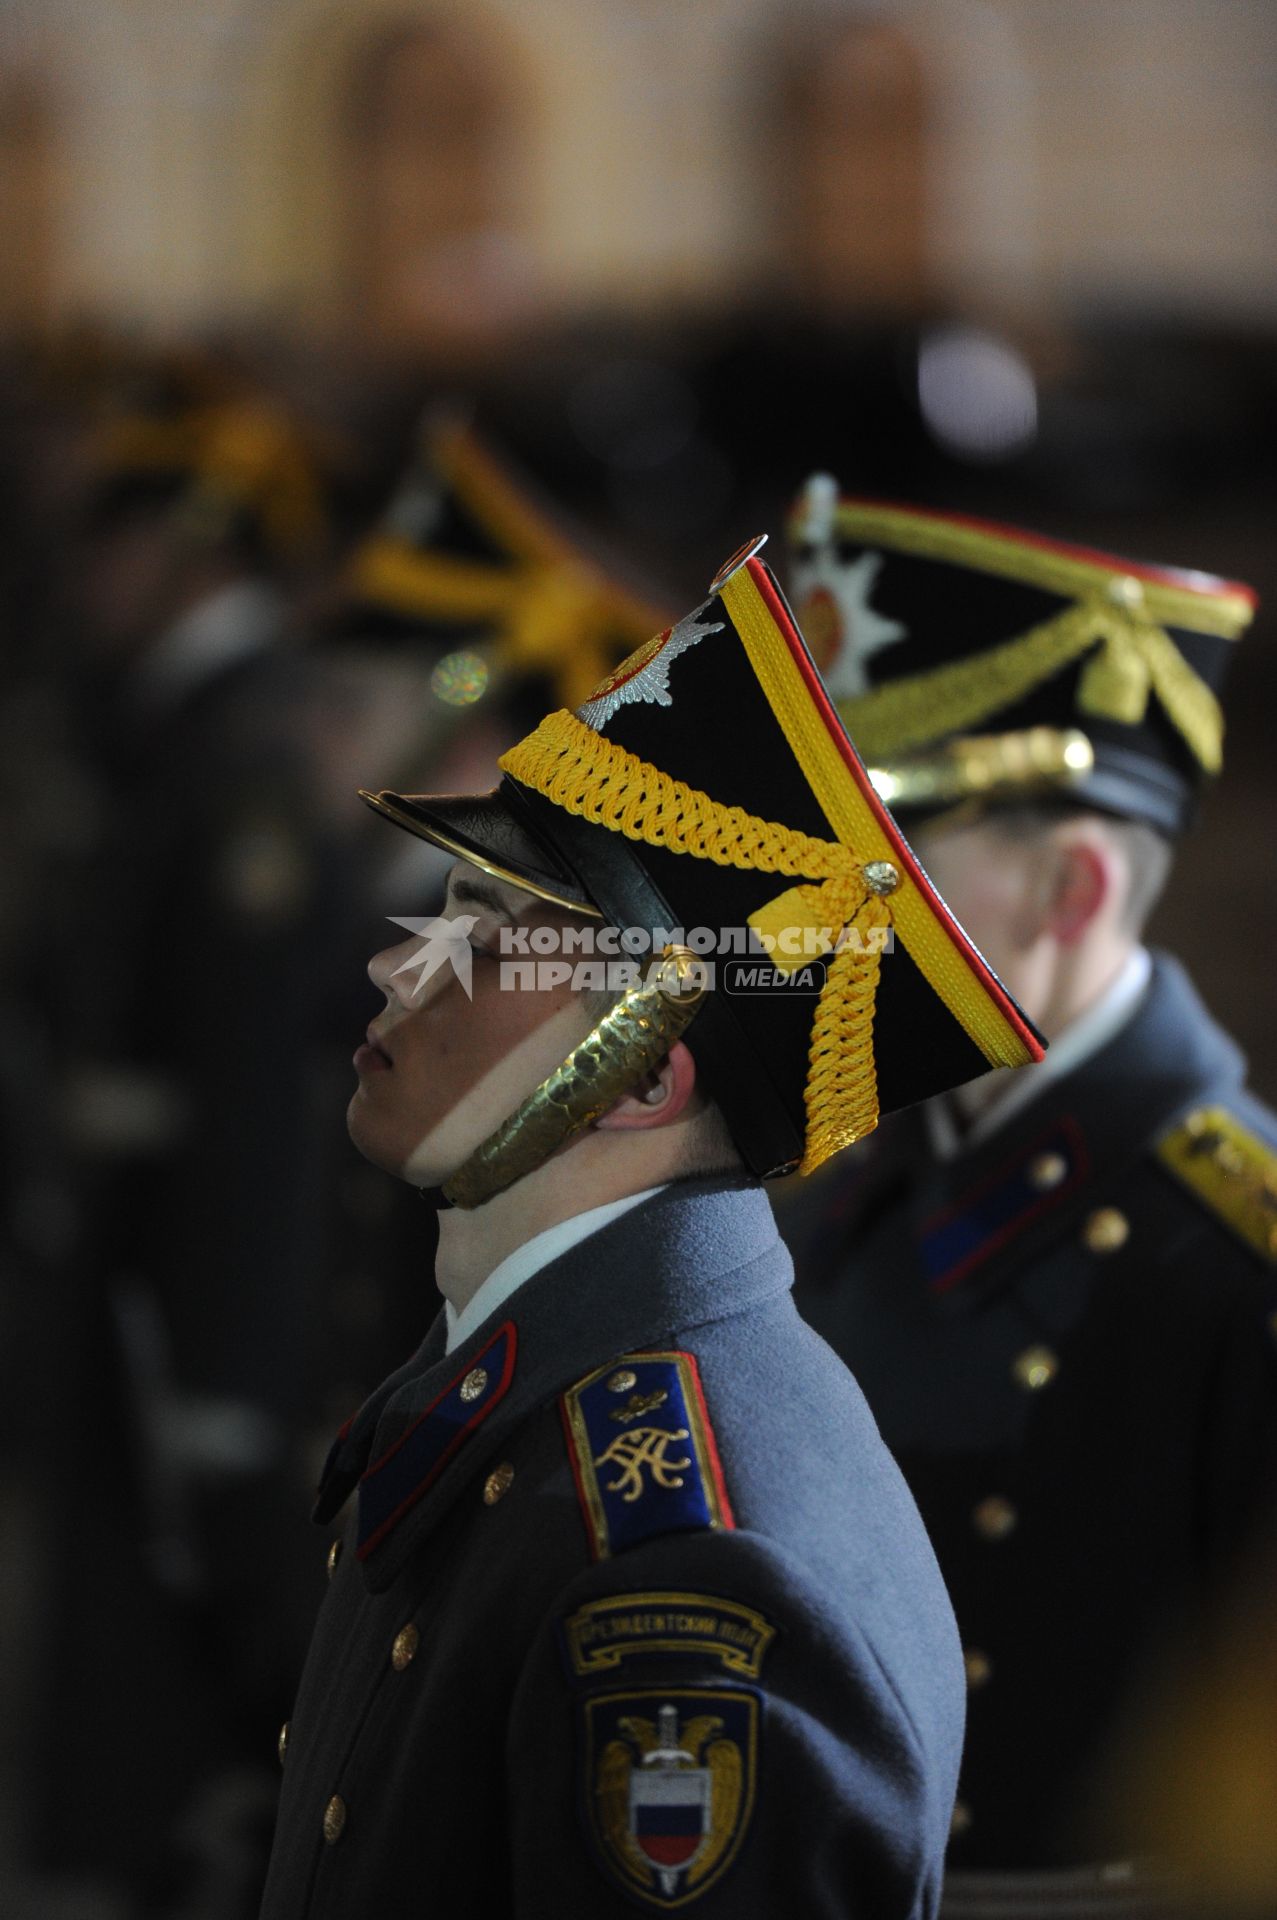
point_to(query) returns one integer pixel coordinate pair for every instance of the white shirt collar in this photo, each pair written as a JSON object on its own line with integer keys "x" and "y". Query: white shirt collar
{"x": 1084, "y": 1037}
{"x": 528, "y": 1259}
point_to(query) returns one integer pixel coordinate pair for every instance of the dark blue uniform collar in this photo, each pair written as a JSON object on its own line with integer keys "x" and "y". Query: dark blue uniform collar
{"x": 1169, "y": 1053}
{"x": 975, "y": 1220}
{"x": 695, "y": 1252}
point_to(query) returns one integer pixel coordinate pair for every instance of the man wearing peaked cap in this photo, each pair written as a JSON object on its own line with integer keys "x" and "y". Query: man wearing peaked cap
{"x": 630, "y": 1610}
{"x": 1058, "y": 1293}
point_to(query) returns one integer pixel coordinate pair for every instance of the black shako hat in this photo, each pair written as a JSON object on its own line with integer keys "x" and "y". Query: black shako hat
{"x": 471, "y": 560}
{"x": 970, "y": 660}
{"x": 708, "y": 784}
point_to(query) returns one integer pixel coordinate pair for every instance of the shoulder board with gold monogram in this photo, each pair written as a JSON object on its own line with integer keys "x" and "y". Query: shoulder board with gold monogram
{"x": 643, "y": 1451}
{"x": 1231, "y": 1170}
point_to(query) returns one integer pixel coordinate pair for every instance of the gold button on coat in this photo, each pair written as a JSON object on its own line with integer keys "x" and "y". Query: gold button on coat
{"x": 978, "y": 1667}
{"x": 498, "y": 1484}
{"x": 473, "y": 1384}
{"x": 1035, "y": 1368}
{"x": 1046, "y": 1170}
{"x": 334, "y": 1555}
{"x": 334, "y": 1819}
{"x": 407, "y": 1640}
{"x": 995, "y": 1517}
{"x": 1106, "y": 1230}
{"x": 282, "y": 1743}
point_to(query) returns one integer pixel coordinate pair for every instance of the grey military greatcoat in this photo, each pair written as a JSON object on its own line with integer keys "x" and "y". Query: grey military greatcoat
{"x": 1067, "y": 1335}
{"x": 630, "y": 1610}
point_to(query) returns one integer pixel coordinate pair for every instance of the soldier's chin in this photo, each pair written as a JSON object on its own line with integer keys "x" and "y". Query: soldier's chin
{"x": 370, "y": 1133}
{"x": 431, "y": 1163}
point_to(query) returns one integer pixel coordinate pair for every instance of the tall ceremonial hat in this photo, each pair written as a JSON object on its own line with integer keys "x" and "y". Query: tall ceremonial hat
{"x": 975, "y": 661}
{"x": 706, "y": 787}
{"x": 470, "y": 559}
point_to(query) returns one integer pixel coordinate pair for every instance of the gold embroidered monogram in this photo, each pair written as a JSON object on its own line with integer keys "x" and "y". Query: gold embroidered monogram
{"x": 660, "y": 1473}
{"x": 644, "y": 1447}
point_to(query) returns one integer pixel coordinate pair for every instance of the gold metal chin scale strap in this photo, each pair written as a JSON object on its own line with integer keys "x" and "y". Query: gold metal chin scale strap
{"x": 631, "y": 1040}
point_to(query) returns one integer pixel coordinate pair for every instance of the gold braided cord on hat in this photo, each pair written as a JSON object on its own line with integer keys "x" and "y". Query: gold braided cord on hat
{"x": 1135, "y": 658}
{"x": 551, "y": 611}
{"x": 597, "y": 780}
{"x": 935, "y": 945}
{"x": 1219, "y": 607}
{"x": 552, "y": 619}
{"x": 841, "y": 1095}
{"x": 1122, "y": 611}
{"x": 500, "y": 505}
{"x": 493, "y": 496}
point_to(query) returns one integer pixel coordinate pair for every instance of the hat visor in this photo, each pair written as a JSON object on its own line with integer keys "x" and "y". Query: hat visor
{"x": 482, "y": 828}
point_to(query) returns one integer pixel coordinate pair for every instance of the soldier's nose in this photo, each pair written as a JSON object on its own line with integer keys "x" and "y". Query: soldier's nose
{"x": 382, "y": 972}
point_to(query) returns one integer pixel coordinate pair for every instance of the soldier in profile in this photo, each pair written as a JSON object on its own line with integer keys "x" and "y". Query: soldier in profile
{"x": 1057, "y": 1290}
{"x": 628, "y": 1608}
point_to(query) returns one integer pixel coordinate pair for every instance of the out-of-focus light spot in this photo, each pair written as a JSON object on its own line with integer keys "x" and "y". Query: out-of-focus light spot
{"x": 460, "y": 679}
{"x": 977, "y": 395}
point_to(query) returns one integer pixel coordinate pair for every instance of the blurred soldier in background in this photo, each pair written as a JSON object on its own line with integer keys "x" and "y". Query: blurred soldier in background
{"x": 179, "y": 978}
{"x": 1056, "y": 1294}
{"x": 221, "y": 1304}
{"x": 469, "y": 608}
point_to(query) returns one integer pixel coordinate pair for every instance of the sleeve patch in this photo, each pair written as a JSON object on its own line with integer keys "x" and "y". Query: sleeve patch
{"x": 600, "y": 1636}
{"x": 668, "y": 1784}
{"x": 1231, "y": 1170}
{"x": 643, "y": 1451}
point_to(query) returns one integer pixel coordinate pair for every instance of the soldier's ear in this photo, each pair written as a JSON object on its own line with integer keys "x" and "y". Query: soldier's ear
{"x": 657, "y": 1100}
{"x": 1084, "y": 881}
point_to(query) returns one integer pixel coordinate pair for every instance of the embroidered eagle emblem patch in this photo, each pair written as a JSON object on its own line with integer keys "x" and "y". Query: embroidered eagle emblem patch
{"x": 669, "y": 1785}
{"x": 645, "y": 675}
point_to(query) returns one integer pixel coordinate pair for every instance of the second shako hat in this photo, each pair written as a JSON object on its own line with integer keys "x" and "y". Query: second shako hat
{"x": 977, "y": 661}
{"x": 707, "y": 783}
{"x": 471, "y": 554}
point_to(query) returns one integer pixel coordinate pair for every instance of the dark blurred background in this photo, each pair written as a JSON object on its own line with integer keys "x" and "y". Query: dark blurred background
{"x": 1000, "y": 256}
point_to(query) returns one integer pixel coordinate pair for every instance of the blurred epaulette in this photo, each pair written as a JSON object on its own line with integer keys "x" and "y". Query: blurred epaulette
{"x": 1231, "y": 1170}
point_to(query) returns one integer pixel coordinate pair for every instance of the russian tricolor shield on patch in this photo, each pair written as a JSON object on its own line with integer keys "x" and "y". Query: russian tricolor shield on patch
{"x": 669, "y": 1787}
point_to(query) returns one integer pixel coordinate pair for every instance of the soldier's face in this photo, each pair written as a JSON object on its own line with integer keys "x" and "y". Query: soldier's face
{"x": 992, "y": 881}
{"x": 444, "y": 1068}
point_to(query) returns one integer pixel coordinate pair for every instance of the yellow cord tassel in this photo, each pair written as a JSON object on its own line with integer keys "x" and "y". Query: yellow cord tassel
{"x": 596, "y": 780}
